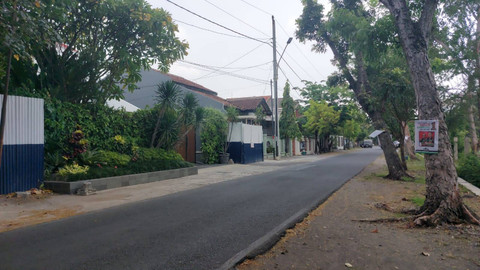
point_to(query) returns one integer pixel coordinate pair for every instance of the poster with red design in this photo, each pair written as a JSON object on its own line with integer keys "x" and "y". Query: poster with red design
{"x": 426, "y": 136}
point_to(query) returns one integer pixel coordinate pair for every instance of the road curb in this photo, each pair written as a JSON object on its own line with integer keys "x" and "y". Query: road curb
{"x": 475, "y": 190}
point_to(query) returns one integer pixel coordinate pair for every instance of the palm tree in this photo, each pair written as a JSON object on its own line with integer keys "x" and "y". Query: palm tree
{"x": 167, "y": 98}
{"x": 191, "y": 115}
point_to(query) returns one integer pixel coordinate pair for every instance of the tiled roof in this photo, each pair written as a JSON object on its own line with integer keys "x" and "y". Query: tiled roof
{"x": 197, "y": 88}
{"x": 191, "y": 85}
{"x": 246, "y": 103}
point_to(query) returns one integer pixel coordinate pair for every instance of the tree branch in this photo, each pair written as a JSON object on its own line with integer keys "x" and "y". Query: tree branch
{"x": 426, "y": 19}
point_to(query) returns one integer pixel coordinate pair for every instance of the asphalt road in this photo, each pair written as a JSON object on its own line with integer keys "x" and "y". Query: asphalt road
{"x": 195, "y": 229}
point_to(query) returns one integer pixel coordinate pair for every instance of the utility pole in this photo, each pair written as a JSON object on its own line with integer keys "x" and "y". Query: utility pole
{"x": 271, "y": 106}
{"x": 275, "y": 88}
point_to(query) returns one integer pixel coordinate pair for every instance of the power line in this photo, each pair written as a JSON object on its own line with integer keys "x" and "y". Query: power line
{"x": 301, "y": 52}
{"x": 209, "y": 30}
{"x": 232, "y": 61}
{"x": 232, "y": 68}
{"x": 217, "y": 24}
{"x": 233, "y": 16}
{"x": 298, "y": 65}
{"x": 293, "y": 87}
{"x": 285, "y": 61}
{"x": 229, "y": 73}
{"x": 268, "y": 13}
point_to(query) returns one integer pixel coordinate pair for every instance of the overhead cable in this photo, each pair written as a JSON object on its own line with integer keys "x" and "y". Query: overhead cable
{"x": 242, "y": 56}
{"x": 301, "y": 52}
{"x": 230, "y": 74}
{"x": 233, "y": 16}
{"x": 232, "y": 68}
{"x": 217, "y": 24}
{"x": 209, "y": 30}
{"x": 268, "y": 13}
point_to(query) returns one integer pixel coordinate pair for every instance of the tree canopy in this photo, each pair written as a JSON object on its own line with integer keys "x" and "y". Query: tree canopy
{"x": 101, "y": 48}
{"x": 288, "y": 121}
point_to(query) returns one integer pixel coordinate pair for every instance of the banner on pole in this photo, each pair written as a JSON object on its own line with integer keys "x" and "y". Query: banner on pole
{"x": 426, "y": 136}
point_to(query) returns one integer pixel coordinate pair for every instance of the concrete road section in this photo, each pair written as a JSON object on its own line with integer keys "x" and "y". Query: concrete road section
{"x": 198, "y": 228}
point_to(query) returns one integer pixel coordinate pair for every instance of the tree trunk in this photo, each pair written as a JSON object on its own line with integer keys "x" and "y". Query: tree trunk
{"x": 477, "y": 59}
{"x": 157, "y": 127}
{"x": 443, "y": 202}
{"x": 362, "y": 91}
{"x": 402, "y": 155}
{"x": 408, "y": 146}
{"x": 473, "y": 129}
{"x": 396, "y": 170}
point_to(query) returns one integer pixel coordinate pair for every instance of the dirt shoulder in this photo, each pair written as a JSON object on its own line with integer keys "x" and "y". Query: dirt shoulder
{"x": 329, "y": 238}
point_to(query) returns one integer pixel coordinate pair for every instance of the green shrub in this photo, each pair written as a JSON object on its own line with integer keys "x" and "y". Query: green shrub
{"x": 149, "y": 160}
{"x": 73, "y": 169}
{"x": 213, "y": 136}
{"x": 52, "y": 162}
{"x": 469, "y": 169}
{"x": 112, "y": 159}
{"x": 121, "y": 144}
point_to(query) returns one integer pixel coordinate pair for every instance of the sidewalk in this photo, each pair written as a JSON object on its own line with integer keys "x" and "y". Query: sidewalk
{"x": 331, "y": 237}
{"x": 20, "y": 212}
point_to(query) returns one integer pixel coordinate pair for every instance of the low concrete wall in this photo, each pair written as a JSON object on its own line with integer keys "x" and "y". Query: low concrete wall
{"x": 120, "y": 181}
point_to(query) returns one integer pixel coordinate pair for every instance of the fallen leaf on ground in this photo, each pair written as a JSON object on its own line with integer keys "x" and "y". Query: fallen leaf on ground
{"x": 348, "y": 265}
{"x": 375, "y": 231}
{"x": 425, "y": 254}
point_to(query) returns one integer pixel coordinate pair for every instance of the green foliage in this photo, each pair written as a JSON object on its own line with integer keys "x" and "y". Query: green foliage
{"x": 73, "y": 169}
{"x": 468, "y": 168}
{"x": 321, "y": 118}
{"x": 351, "y": 129}
{"x": 418, "y": 201}
{"x": 213, "y": 135}
{"x": 99, "y": 124}
{"x": 121, "y": 144}
{"x": 167, "y": 96}
{"x": 288, "y": 119}
{"x": 148, "y": 154}
{"x": 107, "y": 164}
{"x": 104, "y": 45}
{"x": 112, "y": 159}
{"x": 52, "y": 162}
{"x": 270, "y": 149}
{"x": 169, "y": 130}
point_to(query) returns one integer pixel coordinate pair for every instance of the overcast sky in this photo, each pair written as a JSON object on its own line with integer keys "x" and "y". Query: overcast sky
{"x": 238, "y": 66}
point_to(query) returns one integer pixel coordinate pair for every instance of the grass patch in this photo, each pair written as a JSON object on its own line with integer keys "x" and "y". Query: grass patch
{"x": 418, "y": 201}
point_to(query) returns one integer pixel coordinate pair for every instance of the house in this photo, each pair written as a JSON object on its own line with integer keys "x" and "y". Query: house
{"x": 144, "y": 96}
{"x": 247, "y": 107}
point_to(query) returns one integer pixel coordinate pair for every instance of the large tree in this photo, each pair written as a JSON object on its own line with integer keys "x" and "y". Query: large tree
{"x": 20, "y": 24}
{"x": 104, "y": 45}
{"x": 321, "y": 121}
{"x": 443, "y": 201}
{"x": 344, "y": 31}
{"x": 458, "y": 46}
{"x": 288, "y": 120}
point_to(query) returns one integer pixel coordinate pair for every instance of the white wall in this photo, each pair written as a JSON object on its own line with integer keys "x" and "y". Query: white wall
{"x": 24, "y": 120}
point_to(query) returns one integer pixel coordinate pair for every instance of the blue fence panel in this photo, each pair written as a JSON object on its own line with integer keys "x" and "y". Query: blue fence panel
{"x": 23, "y": 151}
{"x": 20, "y": 169}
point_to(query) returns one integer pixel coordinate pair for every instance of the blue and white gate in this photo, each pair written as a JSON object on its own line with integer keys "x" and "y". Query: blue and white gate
{"x": 22, "y": 158}
{"x": 246, "y": 143}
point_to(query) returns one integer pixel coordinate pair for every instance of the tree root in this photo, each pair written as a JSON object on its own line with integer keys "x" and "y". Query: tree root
{"x": 438, "y": 217}
{"x": 385, "y": 220}
{"x": 397, "y": 178}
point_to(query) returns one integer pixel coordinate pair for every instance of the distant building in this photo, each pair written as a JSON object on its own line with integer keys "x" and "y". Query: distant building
{"x": 247, "y": 107}
{"x": 145, "y": 96}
